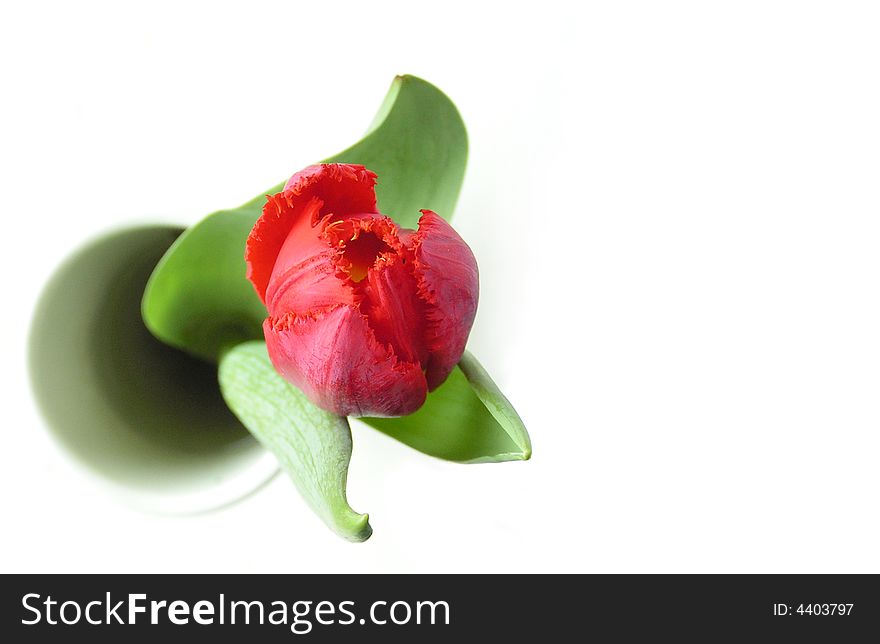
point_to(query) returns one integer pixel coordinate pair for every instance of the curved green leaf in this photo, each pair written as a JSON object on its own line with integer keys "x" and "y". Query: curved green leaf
{"x": 313, "y": 446}
{"x": 138, "y": 412}
{"x": 198, "y": 298}
{"x": 496, "y": 403}
{"x": 467, "y": 419}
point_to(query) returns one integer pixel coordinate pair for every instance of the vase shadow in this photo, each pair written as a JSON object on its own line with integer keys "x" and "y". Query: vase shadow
{"x": 147, "y": 418}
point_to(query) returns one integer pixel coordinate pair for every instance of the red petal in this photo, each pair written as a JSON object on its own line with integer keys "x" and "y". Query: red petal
{"x": 335, "y": 359}
{"x": 395, "y": 311}
{"x": 448, "y": 281}
{"x": 310, "y": 285}
{"x": 310, "y": 195}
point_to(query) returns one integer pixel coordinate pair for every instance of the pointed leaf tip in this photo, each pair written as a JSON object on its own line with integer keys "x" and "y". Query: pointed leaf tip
{"x": 311, "y": 445}
{"x": 467, "y": 420}
{"x": 497, "y": 403}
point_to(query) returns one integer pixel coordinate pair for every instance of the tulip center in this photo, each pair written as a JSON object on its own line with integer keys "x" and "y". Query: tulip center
{"x": 360, "y": 254}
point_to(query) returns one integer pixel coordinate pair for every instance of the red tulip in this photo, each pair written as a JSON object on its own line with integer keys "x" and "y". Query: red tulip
{"x": 365, "y": 317}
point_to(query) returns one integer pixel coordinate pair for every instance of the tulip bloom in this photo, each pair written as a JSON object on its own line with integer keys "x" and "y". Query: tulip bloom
{"x": 365, "y": 317}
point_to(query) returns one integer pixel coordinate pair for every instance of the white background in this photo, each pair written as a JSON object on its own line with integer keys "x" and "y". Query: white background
{"x": 676, "y": 211}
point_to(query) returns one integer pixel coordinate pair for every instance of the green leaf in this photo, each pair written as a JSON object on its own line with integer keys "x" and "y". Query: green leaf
{"x": 313, "y": 446}
{"x": 467, "y": 419}
{"x": 198, "y": 298}
{"x": 136, "y": 411}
